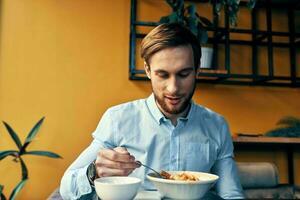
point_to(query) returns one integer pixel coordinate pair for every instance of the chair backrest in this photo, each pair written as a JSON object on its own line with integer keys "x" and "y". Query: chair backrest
{"x": 258, "y": 174}
{"x": 55, "y": 195}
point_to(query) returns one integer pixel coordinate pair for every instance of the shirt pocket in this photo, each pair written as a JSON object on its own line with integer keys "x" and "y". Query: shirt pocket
{"x": 200, "y": 156}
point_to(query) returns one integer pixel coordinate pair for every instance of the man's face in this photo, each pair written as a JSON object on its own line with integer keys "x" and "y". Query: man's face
{"x": 173, "y": 77}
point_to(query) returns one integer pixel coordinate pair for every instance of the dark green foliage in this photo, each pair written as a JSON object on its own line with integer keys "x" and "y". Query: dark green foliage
{"x": 288, "y": 127}
{"x": 32, "y": 134}
{"x": 22, "y": 150}
{"x": 17, "y": 189}
{"x": 2, "y": 197}
{"x": 188, "y": 16}
{"x": 13, "y": 135}
{"x": 43, "y": 153}
{"x": 3, "y": 154}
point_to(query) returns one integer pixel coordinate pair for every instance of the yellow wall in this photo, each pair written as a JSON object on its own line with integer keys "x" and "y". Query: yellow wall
{"x": 67, "y": 60}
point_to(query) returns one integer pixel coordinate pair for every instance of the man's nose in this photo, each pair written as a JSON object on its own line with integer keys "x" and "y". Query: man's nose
{"x": 172, "y": 85}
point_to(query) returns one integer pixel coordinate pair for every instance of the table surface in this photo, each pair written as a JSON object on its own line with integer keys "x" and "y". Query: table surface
{"x": 143, "y": 195}
{"x": 154, "y": 195}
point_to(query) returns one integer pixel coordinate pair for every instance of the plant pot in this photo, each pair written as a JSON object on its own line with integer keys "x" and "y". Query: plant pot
{"x": 206, "y": 58}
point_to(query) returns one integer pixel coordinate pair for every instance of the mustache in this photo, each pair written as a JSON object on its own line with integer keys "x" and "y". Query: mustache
{"x": 175, "y": 96}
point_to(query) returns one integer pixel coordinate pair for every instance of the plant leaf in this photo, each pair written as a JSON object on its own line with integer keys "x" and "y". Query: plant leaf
{"x": 17, "y": 189}
{"x": 172, "y": 18}
{"x": 43, "y": 153}
{"x": 251, "y": 4}
{"x": 176, "y": 4}
{"x": 2, "y": 197}
{"x": 289, "y": 121}
{"x": 164, "y": 19}
{"x": 3, "y": 154}
{"x": 191, "y": 19}
{"x": 205, "y": 21}
{"x": 24, "y": 169}
{"x": 192, "y": 25}
{"x": 217, "y": 8}
{"x": 284, "y": 132}
{"x": 1, "y": 188}
{"x": 14, "y": 135}
{"x": 202, "y": 35}
{"x": 32, "y": 134}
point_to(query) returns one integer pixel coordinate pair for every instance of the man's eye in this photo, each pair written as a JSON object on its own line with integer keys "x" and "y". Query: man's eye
{"x": 184, "y": 74}
{"x": 162, "y": 75}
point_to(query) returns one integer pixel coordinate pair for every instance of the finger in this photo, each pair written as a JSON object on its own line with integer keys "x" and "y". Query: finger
{"x": 117, "y": 165}
{"x": 122, "y": 150}
{"x": 115, "y": 156}
{"x": 103, "y": 172}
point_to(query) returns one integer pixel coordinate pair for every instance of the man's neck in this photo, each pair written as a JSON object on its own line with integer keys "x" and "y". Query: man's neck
{"x": 174, "y": 117}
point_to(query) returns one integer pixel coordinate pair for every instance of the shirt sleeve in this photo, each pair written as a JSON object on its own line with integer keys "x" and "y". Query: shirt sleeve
{"x": 228, "y": 186}
{"x": 74, "y": 183}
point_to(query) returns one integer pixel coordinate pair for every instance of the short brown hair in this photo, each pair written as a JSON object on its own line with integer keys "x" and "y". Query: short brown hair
{"x": 169, "y": 35}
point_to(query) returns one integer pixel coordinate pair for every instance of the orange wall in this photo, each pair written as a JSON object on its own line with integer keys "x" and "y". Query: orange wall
{"x": 67, "y": 60}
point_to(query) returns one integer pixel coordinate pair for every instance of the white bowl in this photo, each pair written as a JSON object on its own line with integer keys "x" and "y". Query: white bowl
{"x": 176, "y": 189}
{"x": 117, "y": 187}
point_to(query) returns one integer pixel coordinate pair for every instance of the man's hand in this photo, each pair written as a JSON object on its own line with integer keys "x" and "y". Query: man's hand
{"x": 115, "y": 162}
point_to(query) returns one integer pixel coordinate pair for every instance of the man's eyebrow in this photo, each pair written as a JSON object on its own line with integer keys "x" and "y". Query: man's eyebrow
{"x": 182, "y": 70}
{"x": 160, "y": 71}
{"x": 187, "y": 69}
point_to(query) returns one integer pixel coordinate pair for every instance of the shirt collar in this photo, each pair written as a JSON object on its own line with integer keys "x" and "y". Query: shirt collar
{"x": 157, "y": 114}
{"x": 154, "y": 110}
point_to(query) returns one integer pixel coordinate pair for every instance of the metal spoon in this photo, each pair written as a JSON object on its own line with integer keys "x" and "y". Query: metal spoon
{"x": 157, "y": 173}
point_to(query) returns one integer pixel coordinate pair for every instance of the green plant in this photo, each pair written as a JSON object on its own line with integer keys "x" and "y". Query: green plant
{"x": 288, "y": 127}
{"x": 188, "y": 16}
{"x": 17, "y": 155}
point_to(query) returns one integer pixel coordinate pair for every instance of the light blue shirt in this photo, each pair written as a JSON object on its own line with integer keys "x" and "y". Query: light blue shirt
{"x": 199, "y": 142}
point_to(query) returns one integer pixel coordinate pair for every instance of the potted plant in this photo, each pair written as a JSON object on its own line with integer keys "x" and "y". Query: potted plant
{"x": 288, "y": 127}
{"x": 18, "y": 154}
{"x": 188, "y": 16}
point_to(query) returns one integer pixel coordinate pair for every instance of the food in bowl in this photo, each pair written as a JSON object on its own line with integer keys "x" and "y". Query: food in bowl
{"x": 184, "y": 177}
{"x": 117, "y": 187}
{"x": 164, "y": 174}
{"x": 184, "y": 189}
{"x": 181, "y": 176}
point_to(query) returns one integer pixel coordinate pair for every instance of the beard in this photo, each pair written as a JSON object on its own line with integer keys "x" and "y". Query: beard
{"x": 182, "y": 106}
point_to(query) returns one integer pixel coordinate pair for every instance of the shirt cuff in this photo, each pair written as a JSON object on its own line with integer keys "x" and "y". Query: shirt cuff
{"x": 83, "y": 183}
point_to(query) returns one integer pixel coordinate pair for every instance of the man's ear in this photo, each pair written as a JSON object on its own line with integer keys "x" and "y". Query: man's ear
{"x": 147, "y": 70}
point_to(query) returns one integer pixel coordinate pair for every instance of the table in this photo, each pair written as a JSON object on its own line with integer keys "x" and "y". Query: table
{"x": 142, "y": 195}
{"x": 289, "y": 145}
{"x": 154, "y": 195}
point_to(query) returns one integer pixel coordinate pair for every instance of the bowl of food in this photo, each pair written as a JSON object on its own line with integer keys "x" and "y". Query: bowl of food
{"x": 183, "y": 184}
{"x": 117, "y": 187}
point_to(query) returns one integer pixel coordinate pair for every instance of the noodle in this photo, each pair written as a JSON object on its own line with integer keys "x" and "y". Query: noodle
{"x": 180, "y": 177}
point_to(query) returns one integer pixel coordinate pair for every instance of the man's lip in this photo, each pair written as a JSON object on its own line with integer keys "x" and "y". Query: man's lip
{"x": 173, "y": 100}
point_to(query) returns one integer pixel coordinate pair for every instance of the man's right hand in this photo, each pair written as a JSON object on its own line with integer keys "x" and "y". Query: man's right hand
{"x": 115, "y": 162}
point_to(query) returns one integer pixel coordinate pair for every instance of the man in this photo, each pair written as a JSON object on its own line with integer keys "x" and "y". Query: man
{"x": 166, "y": 131}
